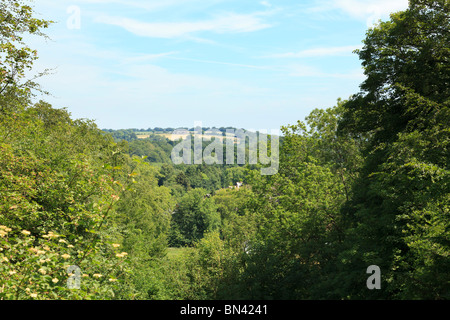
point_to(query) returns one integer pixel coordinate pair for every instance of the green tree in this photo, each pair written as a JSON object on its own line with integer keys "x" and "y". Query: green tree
{"x": 55, "y": 194}
{"x": 237, "y": 221}
{"x": 397, "y": 218}
{"x": 142, "y": 220}
{"x": 152, "y": 151}
{"x": 17, "y": 20}
{"x": 194, "y": 215}
{"x": 298, "y": 222}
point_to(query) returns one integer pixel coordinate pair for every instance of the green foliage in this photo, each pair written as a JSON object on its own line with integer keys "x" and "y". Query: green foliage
{"x": 152, "y": 151}
{"x": 16, "y": 21}
{"x": 238, "y": 223}
{"x": 401, "y": 198}
{"x": 298, "y": 211}
{"x": 37, "y": 267}
{"x": 127, "y": 135}
{"x": 51, "y": 190}
{"x": 194, "y": 215}
{"x": 363, "y": 183}
{"x": 141, "y": 221}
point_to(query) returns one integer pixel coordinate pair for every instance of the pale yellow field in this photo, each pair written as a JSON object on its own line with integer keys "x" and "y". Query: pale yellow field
{"x": 173, "y": 137}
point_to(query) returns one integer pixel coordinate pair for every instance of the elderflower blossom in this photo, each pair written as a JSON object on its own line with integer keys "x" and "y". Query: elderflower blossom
{"x": 121, "y": 255}
{"x": 5, "y": 228}
{"x": 50, "y": 235}
{"x": 4, "y": 231}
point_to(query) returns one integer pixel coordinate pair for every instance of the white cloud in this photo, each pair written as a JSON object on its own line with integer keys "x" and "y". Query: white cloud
{"x": 226, "y": 63}
{"x": 318, "y": 52}
{"x": 147, "y": 57}
{"x": 366, "y": 10}
{"x": 298, "y": 70}
{"x": 140, "y": 91}
{"x": 148, "y": 5}
{"x": 304, "y": 71}
{"x": 266, "y": 4}
{"x": 371, "y": 10}
{"x": 229, "y": 23}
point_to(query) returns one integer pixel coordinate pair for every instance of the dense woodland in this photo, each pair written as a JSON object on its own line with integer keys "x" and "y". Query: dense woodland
{"x": 87, "y": 213}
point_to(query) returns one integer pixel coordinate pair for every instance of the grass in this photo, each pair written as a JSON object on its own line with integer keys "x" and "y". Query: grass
{"x": 175, "y": 253}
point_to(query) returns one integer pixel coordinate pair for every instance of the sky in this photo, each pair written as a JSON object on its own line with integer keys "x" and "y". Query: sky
{"x": 250, "y": 64}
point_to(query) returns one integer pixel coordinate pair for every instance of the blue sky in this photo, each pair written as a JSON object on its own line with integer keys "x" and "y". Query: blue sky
{"x": 248, "y": 64}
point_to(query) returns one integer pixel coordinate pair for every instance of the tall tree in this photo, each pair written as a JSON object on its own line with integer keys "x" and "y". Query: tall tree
{"x": 399, "y": 216}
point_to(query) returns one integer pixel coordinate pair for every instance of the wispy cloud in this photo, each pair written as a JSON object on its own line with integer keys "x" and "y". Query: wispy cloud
{"x": 317, "y": 52}
{"x": 227, "y": 63}
{"x": 149, "y": 5}
{"x": 266, "y": 4}
{"x": 313, "y": 72}
{"x": 229, "y": 23}
{"x": 127, "y": 81}
{"x": 147, "y": 57}
{"x": 369, "y": 10}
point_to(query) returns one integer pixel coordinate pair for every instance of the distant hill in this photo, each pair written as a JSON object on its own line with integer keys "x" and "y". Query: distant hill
{"x": 168, "y": 133}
